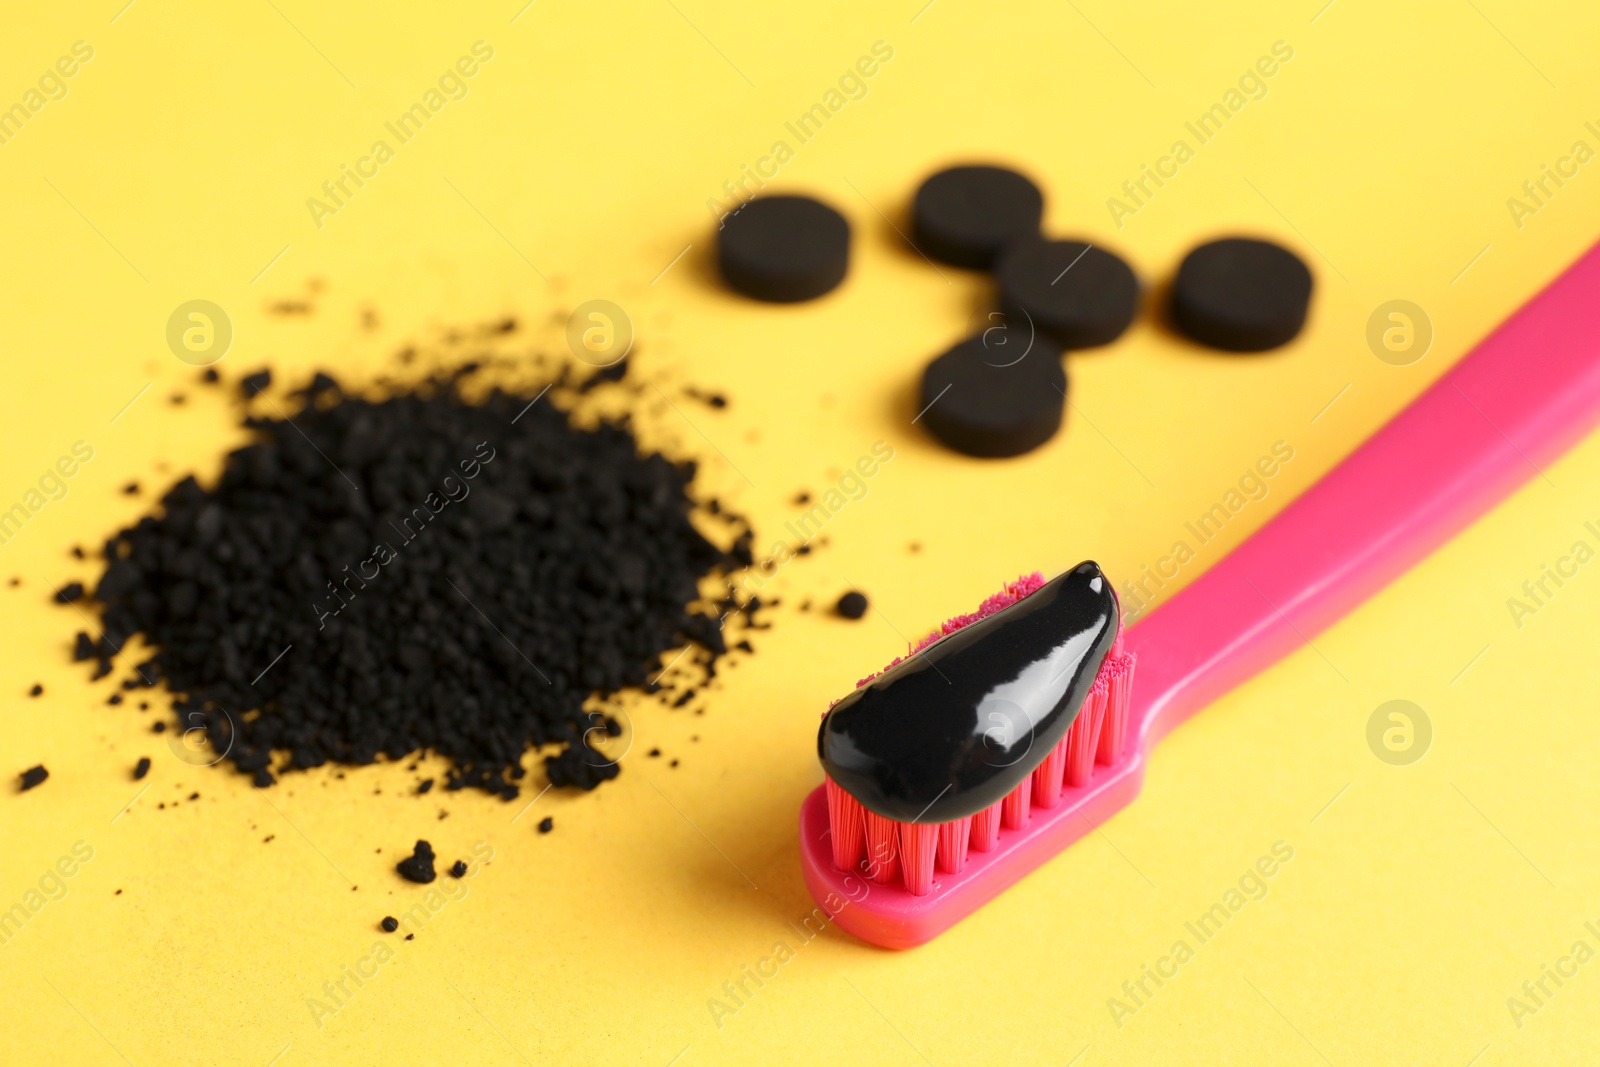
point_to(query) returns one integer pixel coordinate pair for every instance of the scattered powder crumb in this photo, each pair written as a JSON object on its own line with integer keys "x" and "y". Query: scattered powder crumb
{"x": 252, "y": 384}
{"x": 716, "y": 400}
{"x": 418, "y": 867}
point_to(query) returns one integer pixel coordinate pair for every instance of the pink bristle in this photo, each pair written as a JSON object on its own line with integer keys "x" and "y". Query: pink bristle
{"x": 1047, "y": 776}
{"x": 1015, "y": 807}
{"x": 1084, "y": 738}
{"x": 986, "y": 828}
{"x": 883, "y": 848}
{"x": 954, "y": 838}
{"x": 846, "y": 826}
{"x": 918, "y": 843}
{"x": 1113, "y": 734}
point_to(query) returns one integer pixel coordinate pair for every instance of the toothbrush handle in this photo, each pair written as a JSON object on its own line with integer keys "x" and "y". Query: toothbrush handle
{"x": 1518, "y": 400}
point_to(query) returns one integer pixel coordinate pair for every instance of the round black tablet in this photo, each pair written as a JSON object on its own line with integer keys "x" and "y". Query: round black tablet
{"x": 784, "y": 248}
{"x": 1078, "y": 293}
{"x": 1241, "y": 295}
{"x": 967, "y": 215}
{"x": 989, "y": 402}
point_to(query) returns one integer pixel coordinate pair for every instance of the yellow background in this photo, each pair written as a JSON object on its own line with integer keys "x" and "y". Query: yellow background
{"x": 578, "y": 166}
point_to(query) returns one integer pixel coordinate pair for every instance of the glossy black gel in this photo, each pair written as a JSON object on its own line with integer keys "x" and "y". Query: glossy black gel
{"x": 956, "y": 727}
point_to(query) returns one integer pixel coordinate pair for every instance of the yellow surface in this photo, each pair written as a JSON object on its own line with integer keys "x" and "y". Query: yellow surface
{"x": 578, "y": 165}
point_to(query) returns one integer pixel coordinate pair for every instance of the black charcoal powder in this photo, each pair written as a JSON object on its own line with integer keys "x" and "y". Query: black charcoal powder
{"x": 420, "y": 571}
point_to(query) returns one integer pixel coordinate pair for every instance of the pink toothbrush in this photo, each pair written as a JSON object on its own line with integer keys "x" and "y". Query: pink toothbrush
{"x": 1521, "y": 398}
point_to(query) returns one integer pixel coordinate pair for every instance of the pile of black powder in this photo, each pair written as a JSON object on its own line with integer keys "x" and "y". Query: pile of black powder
{"x": 418, "y": 572}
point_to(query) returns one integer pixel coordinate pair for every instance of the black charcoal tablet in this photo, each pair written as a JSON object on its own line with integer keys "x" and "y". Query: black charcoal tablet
{"x": 967, "y": 215}
{"x": 1077, "y": 293}
{"x": 990, "y": 403}
{"x": 1241, "y": 295}
{"x": 784, "y": 249}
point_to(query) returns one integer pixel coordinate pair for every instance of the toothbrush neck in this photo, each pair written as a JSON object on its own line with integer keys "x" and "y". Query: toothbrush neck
{"x": 1518, "y": 400}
